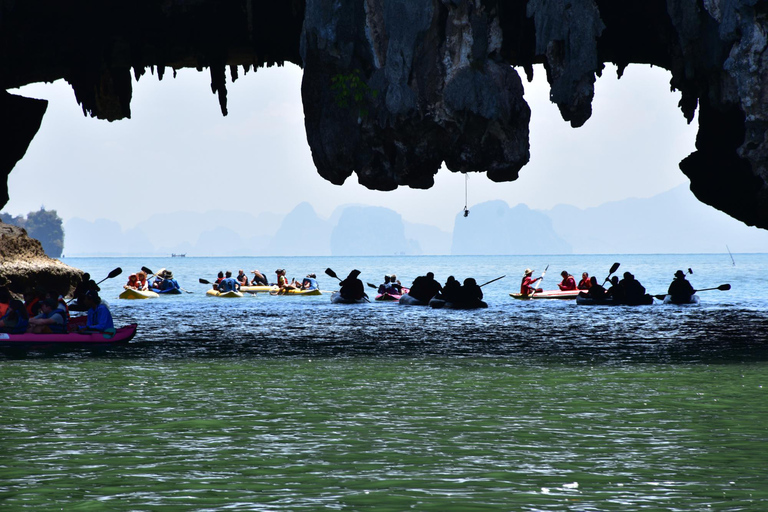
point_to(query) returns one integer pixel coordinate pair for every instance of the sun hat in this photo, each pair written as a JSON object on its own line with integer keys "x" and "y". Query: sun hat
{"x": 528, "y": 272}
{"x": 679, "y": 273}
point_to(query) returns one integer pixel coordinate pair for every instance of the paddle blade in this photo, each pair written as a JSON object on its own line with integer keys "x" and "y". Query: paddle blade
{"x": 690, "y": 271}
{"x": 331, "y": 273}
{"x": 614, "y": 267}
{"x": 724, "y": 287}
{"x": 372, "y": 285}
{"x": 204, "y": 281}
{"x": 115, "y": 273}
{"x": 146, "y": 270}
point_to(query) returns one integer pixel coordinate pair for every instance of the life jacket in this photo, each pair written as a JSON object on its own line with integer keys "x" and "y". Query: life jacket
{"x": 31, "y": 306}
{"x": 3, "y": 309}
{"x": 21, "y": 323}
{"x": 58, "y": 328}
{"x": 63, "y": 305}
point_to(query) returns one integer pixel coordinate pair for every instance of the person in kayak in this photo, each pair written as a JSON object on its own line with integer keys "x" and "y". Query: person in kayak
{"x": 615, "y": 292}
{"x": 310, "y": 282}
{"x": 352, "y": 287}
{"x": 241, "y": 278}
{"x": 51, "y": 319}
{"x": 385, "y": 286}
{"x": 568, "y": 282}
{"x": 395, "y": 285}
{"x": 425, "y": 287}
{"x": 133, "y": 282}
{"x": 218, "y": 281}
{"x": 585, "y": 282}
{"x": 451, "y": 290}
{"x": 634, "y": 292}
{"x": 282, "y": 281}
{"x": 259, "y": 279}
{"x": 595, "y": 290}
{"x": 99, "y": 318}
{"x": 141, "y": 281}
{"x": 680, "y": 290}
{"x": 526, "y": 286}
{"x": 16, "y": 319}
{"x": 470, "y": 293}
{"x": 228, "y": 284}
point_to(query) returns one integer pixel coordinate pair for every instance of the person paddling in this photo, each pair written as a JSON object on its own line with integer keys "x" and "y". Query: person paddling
{"x": 680, "y": 290}
{"x": 526, "y": 286}
{"x": 228, "y": 284}
{"x": 568, "y": 283}
{"x": 99, "y": 317}
{"x": 595, "y": 290}
{"x": 352, "y": 288}
{"x": 425, "y": 287}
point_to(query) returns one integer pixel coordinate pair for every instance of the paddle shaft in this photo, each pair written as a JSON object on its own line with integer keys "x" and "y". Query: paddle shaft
{"x": 492, "y": 280}
{"x": 540, "y": 279}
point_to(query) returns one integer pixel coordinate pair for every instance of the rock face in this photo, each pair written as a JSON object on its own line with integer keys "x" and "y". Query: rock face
{"x": 393, "y": 88}
{"x": 23, "y": 264}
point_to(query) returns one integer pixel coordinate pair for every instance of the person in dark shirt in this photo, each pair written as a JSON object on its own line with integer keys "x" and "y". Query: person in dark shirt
{"x": 680, "y": 290}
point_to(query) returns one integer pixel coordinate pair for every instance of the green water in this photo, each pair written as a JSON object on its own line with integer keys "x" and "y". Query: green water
{"x": 381, "y": 434}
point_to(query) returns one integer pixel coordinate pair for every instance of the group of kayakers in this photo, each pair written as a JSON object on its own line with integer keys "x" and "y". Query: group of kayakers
{"x": 423, "y": 289}
{"x": 163, "y": 282}
{"x": 226, "y": 283}
{"x": 623, "y": 291}
{"x": 46, "y": 312}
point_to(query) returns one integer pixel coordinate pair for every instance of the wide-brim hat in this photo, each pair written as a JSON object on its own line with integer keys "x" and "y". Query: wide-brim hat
{"x": 679, "y": 273}
{"x": 168, "y": 274}
{"x": 528, "y": 271}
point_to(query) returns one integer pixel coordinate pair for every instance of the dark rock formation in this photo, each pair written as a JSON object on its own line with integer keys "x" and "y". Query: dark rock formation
{"x": 393, "y": 88}
{"x": 23, "y": 264}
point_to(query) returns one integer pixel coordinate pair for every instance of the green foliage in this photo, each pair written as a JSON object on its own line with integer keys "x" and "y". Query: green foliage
{"x": 351, "y": 92}
{"x": 43, "y": 225}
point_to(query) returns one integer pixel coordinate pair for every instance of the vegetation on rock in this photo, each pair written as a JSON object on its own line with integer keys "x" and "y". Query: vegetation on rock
{"x": 43, "y": 225}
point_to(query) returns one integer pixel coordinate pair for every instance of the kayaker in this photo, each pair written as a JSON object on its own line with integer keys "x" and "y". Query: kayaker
{"x": 141, "y": 281}
{"x": 384, "y": 287}
{"x": 219, "y": 279}
{"x": 680, "y": 290}
{"x": 50, "y": 320}
{"x": 5, "y": 300}
{"x": 470, "y": 294}
{"x": 568, "y": 282}
{"x": 228, "y": 284}
{"x": 310, "y": 282}
{"x": 585, "y": 282}
{"x": 526, "y": 286}
{"x": 352, "y": 288}
{"x": 15, "y": 320}
{"x": 595, "y": 291}
{"x": 159, "y": 277}
{"x": 634, "y": 292}
{"x": 615, "y": 292}
{"x": 259, "y": 279}
{"x": 98, "y": 317}
{"x": 395, "y": 284}
{"x": 32, "y": 300}
{"x": 425, "y": 287}
{"x": 242, "y": 278}
{"x": 133, "y": 282}
{"x": 282, "y": 281}
{"x": 451, "y": 290}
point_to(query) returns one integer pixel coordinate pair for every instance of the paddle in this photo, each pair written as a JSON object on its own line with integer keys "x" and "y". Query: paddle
{"x": 492, "y": 280}
{"x": 115, "y": 272}
{"x": 614, "y": 268}
{"x": 150, "y": 273}
{"x": 722, "y": 287}
{"x": 204, "y": 281}
{"x": 540, "y": 279}
{"x": 331, "y": 273}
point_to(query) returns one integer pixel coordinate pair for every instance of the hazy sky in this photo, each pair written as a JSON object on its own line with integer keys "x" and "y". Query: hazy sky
{"x": 178, "y": 152}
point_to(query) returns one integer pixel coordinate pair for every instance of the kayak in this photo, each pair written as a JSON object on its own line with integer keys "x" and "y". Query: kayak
{"x": 336, "y": 298}
{"x": 407, "y": 300}
{"x": 694, "y": 300}
{"x": 121, "y": 335}
{"x": 169, "y": 291}
{"x": 442, "y": 304}
{"x": 258, "y": 288}
{"x": 274, "y": 290}
{"x": 390, "y": 297}
{"x": 548, "y": 294}
{"x": 224, "y": 295}
{"x": 588, "y": 301}
{"x": 130, "y": 293}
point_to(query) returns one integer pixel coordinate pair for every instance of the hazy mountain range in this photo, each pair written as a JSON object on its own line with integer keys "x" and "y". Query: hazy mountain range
{"x": 672, "y": 222}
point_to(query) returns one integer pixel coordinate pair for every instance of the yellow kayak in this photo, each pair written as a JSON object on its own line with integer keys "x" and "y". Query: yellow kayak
{"x": 130, "y": 293}
{"x": 225, "y": 295}
{"x": 274, "y": 290}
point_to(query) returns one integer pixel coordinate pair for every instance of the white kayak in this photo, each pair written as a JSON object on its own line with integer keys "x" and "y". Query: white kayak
{"x": 694, "y": 300}
{"x": 336, "y": 298}
{"x": 547, "y": 294}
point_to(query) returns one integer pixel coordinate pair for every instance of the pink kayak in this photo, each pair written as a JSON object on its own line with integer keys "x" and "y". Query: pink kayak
{"x": 548, "y": 294}
{"x": 390, "y": 297}
{"x": 121, "y": 335}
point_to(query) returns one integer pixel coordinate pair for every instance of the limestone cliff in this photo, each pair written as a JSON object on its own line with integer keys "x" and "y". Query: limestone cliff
{"x": 393, "y": 88}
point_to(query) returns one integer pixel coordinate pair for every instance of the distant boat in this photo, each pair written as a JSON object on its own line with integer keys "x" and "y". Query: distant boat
{"x": 179, "y": 255}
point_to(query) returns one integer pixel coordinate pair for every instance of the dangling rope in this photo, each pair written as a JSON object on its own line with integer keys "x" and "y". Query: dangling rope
{"x": 466, "y": 181}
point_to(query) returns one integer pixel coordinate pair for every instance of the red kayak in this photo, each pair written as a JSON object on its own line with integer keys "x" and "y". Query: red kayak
{"x": 121, "y": 335}
{"x": 391, "y": 297}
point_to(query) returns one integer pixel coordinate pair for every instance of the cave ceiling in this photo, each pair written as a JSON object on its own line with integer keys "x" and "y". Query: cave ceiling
{"x": 392, "y": 89}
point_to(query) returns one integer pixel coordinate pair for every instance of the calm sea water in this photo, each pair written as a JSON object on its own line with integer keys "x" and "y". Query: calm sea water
{"x": 292, "y": 403}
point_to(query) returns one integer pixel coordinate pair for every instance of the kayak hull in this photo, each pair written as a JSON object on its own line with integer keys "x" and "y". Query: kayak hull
{"x": 442, "y": 304}
{"x": 169, "y": 291}
{"x": 224, "y": 295}
{"x": 407, "y": 300}
{"x": 387, "y": 297}
{"x": 131, "y": 294}
{"x": 274, "y": 290}
{"x": 121, "y": 335}
{"x": 694, "y": 300}
{"x": 336, "y": 298}
{"x": 549, "y": 294}
{"x": 586, "y": 301}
